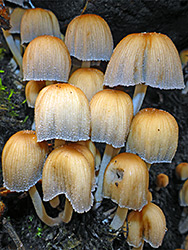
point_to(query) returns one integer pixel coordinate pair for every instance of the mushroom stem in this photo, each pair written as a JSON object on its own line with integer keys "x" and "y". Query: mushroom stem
{"x": 119, "y": 218}
{"x": 86, "y": 64}
{"x": 54, "y": 202}
{"x": 40, "y": 210}
{"x": 183, "y": 225}
{"x": 13, "y": 47}
{"x": 109, "y": 152}
{"x": 138, "y": 97}
{"x": 66, "y": 215}
{"x": 140, "y": 247}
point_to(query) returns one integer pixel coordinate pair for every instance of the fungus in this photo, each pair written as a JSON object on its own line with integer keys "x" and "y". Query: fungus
{"x": 62, "y": 112}
{"x": 153, "y": 136}
{"x": 111, "y": 115}
{"x": 126, "y": 181}
{"x": 182, "y": 171}
{"x": 32, "y": 90}
{"x": 144, "y": 59}
{"x": 147, "y": 225}
{"x": 67, "y": 171}
{"x": 89, "y": 80}
{"x": 183, "y": 200}
{"x": 88, "y": 38}
{"x": 162, "y": 180}
{"x": 22, "y": 161}
{"x": 46, "y": 58}
{"x": 37, "y": 22}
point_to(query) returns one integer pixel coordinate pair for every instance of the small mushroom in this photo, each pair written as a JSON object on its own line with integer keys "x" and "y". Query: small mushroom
{"x": 145, "y": 59}
{"x": 46, "y": 58}
{"x": 111, "y": 115}
{"x": 22, "y": 161}
{"x": 147, "y": 225}
{"x": 162, "y": 181}
{"x": 183, "y": 200}
{"x": 62, "y": 112}
{"x": 89, "y": 80}
{"x": 182, "y": 171}
{"x": 153, "y": 136}
{"x": 88, "y": 38}
{"x": 70, "y": 172}
{"x": 126, "y": 181}
{"x": 37, "y": 22}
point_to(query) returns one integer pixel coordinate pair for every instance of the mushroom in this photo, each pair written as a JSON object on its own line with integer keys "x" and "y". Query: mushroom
{"x": 37, "y": 22}
{"x": 182, "y": 171}
{"x": 62, "y": 112}
{"x": 32, "y": 90}
{"x": 144, "y": 59}
{"x": 126, "y": 181}
{"x": 89, "y": 80}
{"x": 184, "y": 63}
{"x": 183, "y": 200}
{"x": 22, "y": 161}
{"x": 88, "y": 38}
{"x": 153, "y": 136}
{"x": 69, "y": 170}
{"x": 111, "y": 115}
{"x": 46, "y": 58}
{"x": 147, "y": 225}
{"x": 162, "y": 180}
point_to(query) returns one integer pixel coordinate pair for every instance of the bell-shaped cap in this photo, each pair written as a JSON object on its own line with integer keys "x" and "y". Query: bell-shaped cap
{"x": 89, "y": 80}
{"x": 111, "y": 111}
{"x": 67, "y": 171}
{"x": 182, "y": 171}
{"x": 148, "y": 225}
{"x": 62, "y": 112}
{"x": 37, "y": 22}
{"x": 46, "y": 58}
{"x": 32, "y": 90}
{"x": 153, "y": 136}
{"x": 88, "y": 38}
{"x": 135, "y": 229}
{"x": 145, "y": 58}
{"x": 15, "y": 20}
{"x": 126, "y": 181}
{"x": 183, "y": 195}
{"x": 154, "y": 224}
{"x": 22, "y": 161}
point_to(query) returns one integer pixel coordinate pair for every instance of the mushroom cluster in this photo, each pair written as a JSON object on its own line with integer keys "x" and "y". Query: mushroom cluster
{"x": 76, "y": 108}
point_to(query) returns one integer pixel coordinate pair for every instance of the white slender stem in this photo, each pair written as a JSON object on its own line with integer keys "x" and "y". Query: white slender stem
{"x": 119, "y": 218}
{"x": 138, "y": 97}
{"x": 54, "y": 202}
{"x": 183, "y": 225}
{"x": 107, "y": 156}
{"x": 86, "y": 64}
{"x": 66, "y": 215}
{"x": 40, "y": 209}
{"x": 16, "y": 53}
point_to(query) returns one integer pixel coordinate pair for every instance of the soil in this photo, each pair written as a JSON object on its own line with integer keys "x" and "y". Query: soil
{"x": 90, "y": 230}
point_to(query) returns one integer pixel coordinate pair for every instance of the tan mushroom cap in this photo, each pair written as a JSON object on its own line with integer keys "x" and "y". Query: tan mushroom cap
{"x": 148, "y": 224}
{"x": 162, "y": 180}
{"x": 62, "y": 112}
{"x": 67, "y": 171}
{"x": 32, "y": 90}
{"x": 148, "y": 58}
{"x": 184, "y": 57}
{"x": 37, "y": 22}
{"x": 89, "y": 80}
{"x": 154, "y": 224}
{"x": 46, "y": 58}
{"x": 153, "y": 136}
{"x": 111, "y": 115}
{"x": 126, "y": 181}
{"x": 22, "y": 161}
{"x": 88, "y": 37}
{"x": 15, "y": 20}
{"x": 183, "y": 194}
{"x": 182, "y": 171}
